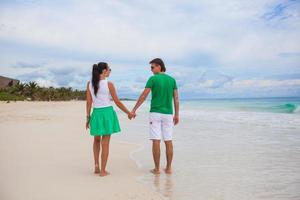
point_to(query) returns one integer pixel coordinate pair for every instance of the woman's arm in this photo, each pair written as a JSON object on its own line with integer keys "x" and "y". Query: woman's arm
{"x": 116, "y": 99}
{"x": 88, "y": 105}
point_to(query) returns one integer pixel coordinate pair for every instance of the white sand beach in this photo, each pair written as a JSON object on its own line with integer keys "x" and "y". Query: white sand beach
{"x": 47, "y": 154}
{"x": 221, "y": 152}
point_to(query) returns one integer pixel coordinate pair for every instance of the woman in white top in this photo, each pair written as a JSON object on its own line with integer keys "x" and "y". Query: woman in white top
{"x": 103, "y": 121}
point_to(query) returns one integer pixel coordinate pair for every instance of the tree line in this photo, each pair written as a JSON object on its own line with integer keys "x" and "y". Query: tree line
{"x": 31, "y": 91}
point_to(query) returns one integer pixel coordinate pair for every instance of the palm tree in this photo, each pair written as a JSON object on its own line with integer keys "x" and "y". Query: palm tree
{"x": 31, "y": 89}
{"x": 19, "y": 88}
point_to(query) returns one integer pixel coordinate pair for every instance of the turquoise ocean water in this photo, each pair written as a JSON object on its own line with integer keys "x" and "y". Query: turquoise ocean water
{"x": 274, "y": 105}
{"x": 225, "y": 149}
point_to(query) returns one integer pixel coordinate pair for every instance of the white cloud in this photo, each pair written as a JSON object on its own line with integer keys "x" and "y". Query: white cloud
{"x": 45, "y": 83}
{"x": 233, "y": 35}
{"x": 234, "y": 31}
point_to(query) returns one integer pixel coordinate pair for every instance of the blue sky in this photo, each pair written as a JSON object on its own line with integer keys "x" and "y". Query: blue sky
{"x": 214, "y": 48}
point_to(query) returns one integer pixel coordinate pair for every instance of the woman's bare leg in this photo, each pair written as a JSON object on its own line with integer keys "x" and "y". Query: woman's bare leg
{"x": 104, "y": 154}
{"x": 96, "y": 150}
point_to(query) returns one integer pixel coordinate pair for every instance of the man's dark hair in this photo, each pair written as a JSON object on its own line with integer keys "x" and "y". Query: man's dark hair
{"x": 160, "y": 62}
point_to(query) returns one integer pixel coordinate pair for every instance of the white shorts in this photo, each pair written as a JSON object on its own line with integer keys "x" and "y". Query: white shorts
{"x": 161, "y": 126}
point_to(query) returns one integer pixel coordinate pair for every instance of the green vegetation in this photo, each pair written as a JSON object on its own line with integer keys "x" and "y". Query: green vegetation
{"x": 31, "y": 91}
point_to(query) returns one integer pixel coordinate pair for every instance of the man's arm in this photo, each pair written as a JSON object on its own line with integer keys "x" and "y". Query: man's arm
{"x": 141, "y": 99}
{"x": 176, "y": 106}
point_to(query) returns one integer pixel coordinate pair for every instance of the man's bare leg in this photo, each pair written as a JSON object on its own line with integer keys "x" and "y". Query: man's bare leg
{"x": 169, "y": 155}
{"x": 96, "y": 150}
{"x": 104, "y": 154}
{"x": 156, "y": 156}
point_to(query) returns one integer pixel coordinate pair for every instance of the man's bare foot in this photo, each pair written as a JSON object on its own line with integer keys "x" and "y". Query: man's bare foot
{"x": 105, "y": 173}
{"x": 168, "y": 170}
{"x": 155, "y": 171}
{"x": 97, "y": 169}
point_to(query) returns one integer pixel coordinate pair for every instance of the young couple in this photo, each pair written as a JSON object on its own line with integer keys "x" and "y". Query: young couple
{"x": 104, "y": 121}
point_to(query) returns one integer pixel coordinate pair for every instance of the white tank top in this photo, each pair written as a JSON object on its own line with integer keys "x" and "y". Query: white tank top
{"x": 103, "y": 95}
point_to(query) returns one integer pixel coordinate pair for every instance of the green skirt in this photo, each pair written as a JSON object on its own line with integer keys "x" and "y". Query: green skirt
{"x": 104, "y": 121}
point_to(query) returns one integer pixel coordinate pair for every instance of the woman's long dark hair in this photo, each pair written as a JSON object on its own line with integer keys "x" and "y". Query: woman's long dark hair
{"x": 97, "y": 70}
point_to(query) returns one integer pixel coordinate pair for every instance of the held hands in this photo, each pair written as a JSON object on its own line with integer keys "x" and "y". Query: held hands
{"x": 131, "y": 115}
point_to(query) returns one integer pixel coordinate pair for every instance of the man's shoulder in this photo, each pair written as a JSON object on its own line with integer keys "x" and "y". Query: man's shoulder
{"x": 170, "y": 77}
{"x": 151, "y": 77}
{"x": 161, "y": 76}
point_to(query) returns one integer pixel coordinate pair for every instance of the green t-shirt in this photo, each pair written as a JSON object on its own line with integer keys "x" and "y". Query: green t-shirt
{"x": 162, "y": 88}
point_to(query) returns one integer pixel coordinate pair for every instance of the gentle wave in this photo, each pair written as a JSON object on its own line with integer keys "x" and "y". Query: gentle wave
{"x": 287, "y": 108}
{"x": 282, "y": 108}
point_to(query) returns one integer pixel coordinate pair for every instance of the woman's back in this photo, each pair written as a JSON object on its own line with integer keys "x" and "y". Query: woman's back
{"x": 102, "y": 99}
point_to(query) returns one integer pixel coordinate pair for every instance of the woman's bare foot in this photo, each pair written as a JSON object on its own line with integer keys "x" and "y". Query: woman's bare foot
{"x": 155, "y": 171}
{"x": 168, "y": 170}
{"x": 97, "y": 169}
{"x": 105, "y": 173}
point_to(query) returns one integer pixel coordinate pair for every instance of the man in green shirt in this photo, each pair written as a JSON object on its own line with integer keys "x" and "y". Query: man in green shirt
{"x": 164, "y": 90}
